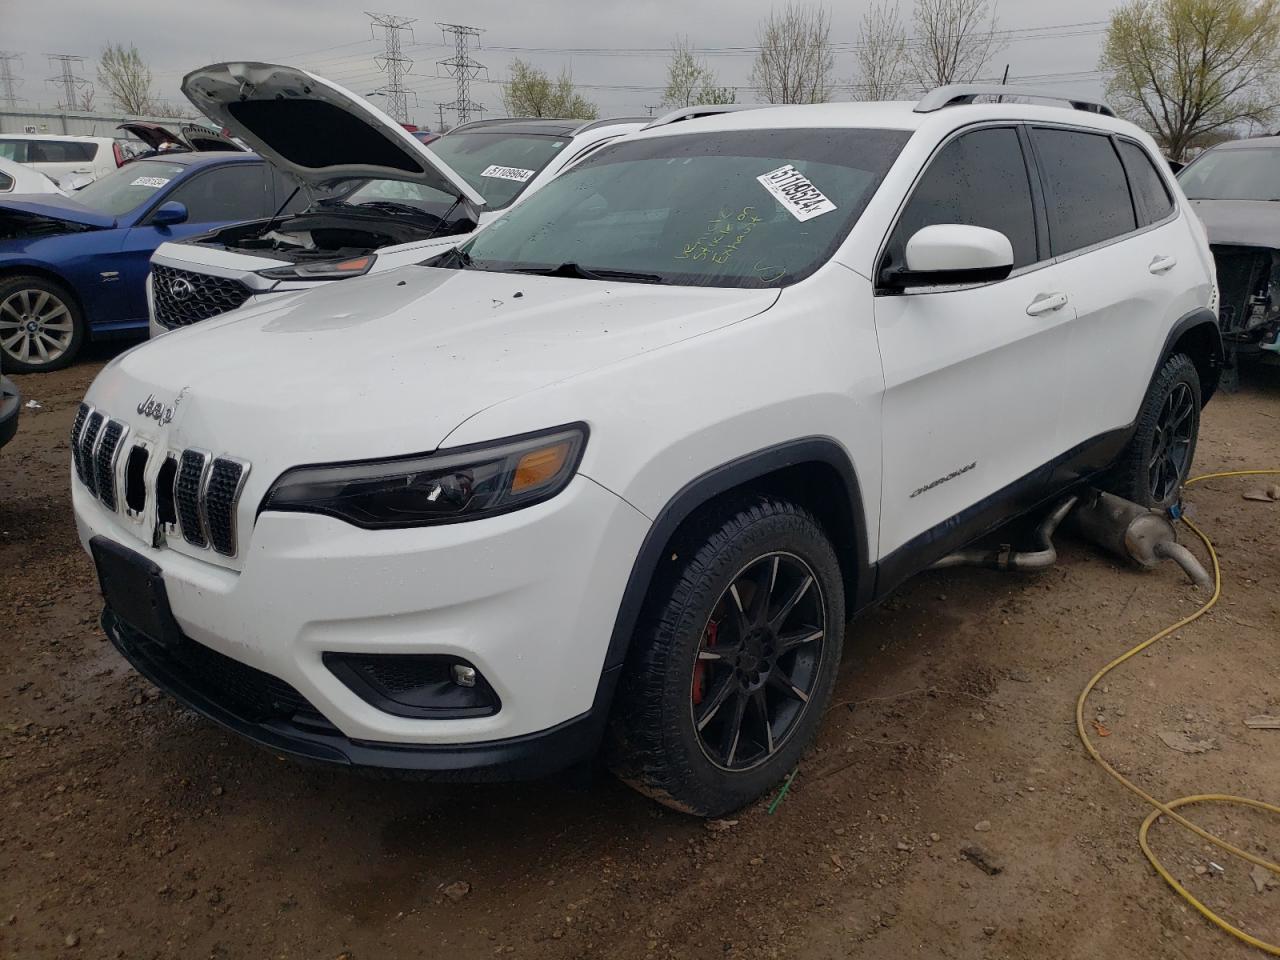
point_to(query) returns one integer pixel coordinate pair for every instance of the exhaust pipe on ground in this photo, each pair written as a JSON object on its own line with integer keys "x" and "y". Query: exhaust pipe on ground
{"x": 1135, "y": 533}
{"x": 1121, "y": 527}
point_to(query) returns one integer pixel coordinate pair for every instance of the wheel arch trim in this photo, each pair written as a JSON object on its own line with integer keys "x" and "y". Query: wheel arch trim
{"x": 1199, "y": 319}
{"x": 822, "y": 451}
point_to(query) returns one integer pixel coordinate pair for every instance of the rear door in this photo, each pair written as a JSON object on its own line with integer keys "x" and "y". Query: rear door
{"x": 973, "y": 373}
{"x": 1129, "y": 263}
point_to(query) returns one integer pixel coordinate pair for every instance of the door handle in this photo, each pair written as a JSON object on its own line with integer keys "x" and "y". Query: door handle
{"x": 1162, "y": 264}
{"x": 1046, "y": 303}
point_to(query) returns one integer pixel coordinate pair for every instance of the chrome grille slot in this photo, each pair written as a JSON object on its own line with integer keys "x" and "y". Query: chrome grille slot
{"x": 88, "y": 441}
{"x": 222, "y": 493}
{"x": 77, "y": 429}
{"x": 188, "y": 486}
{"x": 104, "y": 461}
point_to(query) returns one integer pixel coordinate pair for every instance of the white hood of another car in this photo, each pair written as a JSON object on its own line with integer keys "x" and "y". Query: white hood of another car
{"x": 314, "y": 129}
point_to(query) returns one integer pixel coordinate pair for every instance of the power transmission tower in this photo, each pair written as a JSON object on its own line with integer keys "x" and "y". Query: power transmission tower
{"x": 68, "y": 78}
{"x": 8, "y": 82}
{"x": 440, "y": 108}
{"x": 463, "y": 68}
{"x": 393, "y": 62}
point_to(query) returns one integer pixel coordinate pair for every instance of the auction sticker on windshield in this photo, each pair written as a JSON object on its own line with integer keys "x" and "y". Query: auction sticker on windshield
{"x": 518, "y": 174}
{"x": 801, "y": 198}
{"x": 150, "y": 182}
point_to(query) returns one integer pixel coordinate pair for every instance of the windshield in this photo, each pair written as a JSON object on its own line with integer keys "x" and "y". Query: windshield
{"x": 122, "y": 190}
{"x": 499, "y": 165}
{"x": 1244, "y": 173}
{"x": 745, "y": 208}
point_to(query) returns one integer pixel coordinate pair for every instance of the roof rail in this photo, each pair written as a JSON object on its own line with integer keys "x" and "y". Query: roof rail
{"x": 693, "y": 113}
{"x": 960, "y": 93}
{"x": 607, "y": 122}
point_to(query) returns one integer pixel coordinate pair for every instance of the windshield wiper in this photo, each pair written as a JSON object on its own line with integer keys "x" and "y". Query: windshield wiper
{"x": 577, "y": 271}
{"x": 454, "y": 257}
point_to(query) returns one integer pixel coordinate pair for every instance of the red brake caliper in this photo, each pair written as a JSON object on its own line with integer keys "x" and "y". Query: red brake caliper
{"x": 700, "y": 667}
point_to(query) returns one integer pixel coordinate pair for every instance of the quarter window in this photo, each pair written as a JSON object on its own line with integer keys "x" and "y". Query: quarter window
{"x": 979, "y": 179}
{"x": 1149, "y": 192}
{"x": 1088, "y": 195}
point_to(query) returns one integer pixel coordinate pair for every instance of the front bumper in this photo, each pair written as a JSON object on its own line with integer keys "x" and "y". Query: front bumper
{"x": 10, "y": 408}
{"x": 529, "y": 598}
{"x": 222, "y": 689}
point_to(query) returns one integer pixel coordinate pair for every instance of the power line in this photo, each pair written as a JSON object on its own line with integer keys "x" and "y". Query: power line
{"x": 463, "y": 68}
{"x": 393, "y": 63}
{"x": 8, "y": 82}
{"x": 70, "y": 80}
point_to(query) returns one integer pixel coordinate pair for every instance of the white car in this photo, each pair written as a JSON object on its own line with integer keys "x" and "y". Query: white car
{"x": 64, "y": 158}
{"x": 620, "y": 468}
{"x": 18, "y": 178}
{"x": 381, "y": 198}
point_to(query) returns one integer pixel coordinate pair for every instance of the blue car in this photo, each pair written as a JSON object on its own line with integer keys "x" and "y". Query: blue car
{"x": 75, "y": 267}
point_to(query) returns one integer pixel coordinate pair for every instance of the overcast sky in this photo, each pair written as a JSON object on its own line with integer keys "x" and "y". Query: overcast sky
{"x": 615, "y": 48}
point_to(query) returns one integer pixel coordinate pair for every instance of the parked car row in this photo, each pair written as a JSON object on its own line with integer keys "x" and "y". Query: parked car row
{"x": 614, "y": 471}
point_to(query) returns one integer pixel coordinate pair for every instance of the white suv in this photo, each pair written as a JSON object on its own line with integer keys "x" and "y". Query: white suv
{"x": 620, "y": 468}
{"x": 368, "y": 196}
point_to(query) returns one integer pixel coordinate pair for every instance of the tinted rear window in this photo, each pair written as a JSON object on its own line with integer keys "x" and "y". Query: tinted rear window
{"x": 1088, "y": 194}
{"x": 1149, "y": 192}
{"x": 60, "y": 151}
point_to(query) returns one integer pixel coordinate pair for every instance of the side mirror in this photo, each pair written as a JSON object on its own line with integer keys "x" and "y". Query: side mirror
{"x": 169, "y": 212}
{"x": 953, "y": 253}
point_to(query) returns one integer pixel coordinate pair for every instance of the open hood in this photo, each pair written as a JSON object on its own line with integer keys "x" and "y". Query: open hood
{"x": 316, "y": 130}
{"x": 189, "y": 136}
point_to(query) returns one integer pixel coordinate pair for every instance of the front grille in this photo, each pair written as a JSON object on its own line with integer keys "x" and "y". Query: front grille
{"x": 186, "y": 495}
{"x": 193, "y": 489}
{"x": 76, "y": 429}
{"x": 183, "y": 297}
{"x": 244, "y": 691}
{"x": 104, "y": 462}
{"x": 87, "y": 441}
{"x": 225, "y": 480}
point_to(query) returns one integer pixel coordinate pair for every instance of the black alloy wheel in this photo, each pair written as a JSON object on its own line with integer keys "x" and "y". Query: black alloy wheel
{"x": 758, "y": 662}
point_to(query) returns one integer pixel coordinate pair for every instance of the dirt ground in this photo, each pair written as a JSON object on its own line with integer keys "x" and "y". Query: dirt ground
{"x": 134, "y": 829}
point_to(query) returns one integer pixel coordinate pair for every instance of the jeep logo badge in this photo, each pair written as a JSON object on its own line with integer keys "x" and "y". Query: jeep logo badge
{"x": 181, "y": 289}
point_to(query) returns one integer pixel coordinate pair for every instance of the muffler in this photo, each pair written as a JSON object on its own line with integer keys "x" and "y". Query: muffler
{"x": 1133, "y": 532}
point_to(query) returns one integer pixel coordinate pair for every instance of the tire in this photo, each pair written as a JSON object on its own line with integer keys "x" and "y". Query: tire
{"x": 41, "y": 325}
{"x": 1157, "y": 460}
{"x": 670, "y": 734}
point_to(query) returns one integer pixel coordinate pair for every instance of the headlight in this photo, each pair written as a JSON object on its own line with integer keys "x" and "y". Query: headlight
{"x": 448, "y": 486}
{"x": 322, "y": 269}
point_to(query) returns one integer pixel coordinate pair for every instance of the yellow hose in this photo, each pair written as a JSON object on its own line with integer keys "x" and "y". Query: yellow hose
{"x": 1168, "y": 809}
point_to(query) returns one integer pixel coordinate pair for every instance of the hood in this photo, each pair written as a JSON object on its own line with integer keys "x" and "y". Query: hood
{"x": 391, "y": 364}
{"x": 316, "y": 130}
{"x": 57, "y": 207}
{"x": 190, "y": 136}
{"x": 1252, "y": 223}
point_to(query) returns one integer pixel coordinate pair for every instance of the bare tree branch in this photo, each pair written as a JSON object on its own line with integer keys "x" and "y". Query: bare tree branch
{"x": 955, "y": 40}
{"x": 126, "y": 78}
{"x": 881, "y": 54}
{"x": 795, "y": 59}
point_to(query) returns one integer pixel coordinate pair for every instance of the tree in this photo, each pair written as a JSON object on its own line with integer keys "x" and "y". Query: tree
{"x": 531, "y": 93}
{"x": 881, "y": 54}
{"x": 690, "y": 81}
{"x": 954, "y": 40}
{"x": 1190, "y": 69}
{"x": 126, "y": 78}
{"x": 795, "y": 59}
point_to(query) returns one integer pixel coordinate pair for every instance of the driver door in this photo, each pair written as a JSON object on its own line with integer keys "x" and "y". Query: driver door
{"x": 974, "y": 374}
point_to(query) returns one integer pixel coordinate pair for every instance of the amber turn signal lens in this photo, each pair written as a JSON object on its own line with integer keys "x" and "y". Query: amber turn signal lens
{"x": 538, "y": 466}
{"x": 356, "y": 265}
